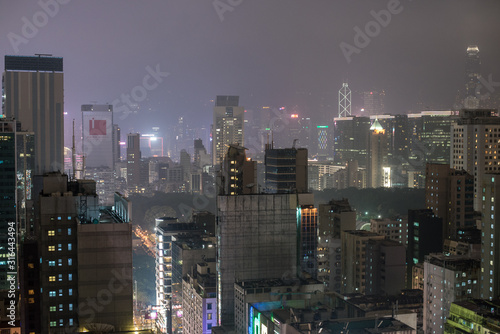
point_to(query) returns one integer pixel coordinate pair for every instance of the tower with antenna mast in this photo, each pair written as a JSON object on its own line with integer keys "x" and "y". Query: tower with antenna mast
{"x": 345, "y": 100}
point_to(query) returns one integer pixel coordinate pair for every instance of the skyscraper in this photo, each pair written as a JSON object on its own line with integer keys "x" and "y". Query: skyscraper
{"x": 7, "y": 197}
{"x": 345, "y": 100}
{"x": 34, "y": 95}
{"x": 490, "y": 237}
{"x": 378, "y": 156}
{"x": 449, "y": 193}
{"x": 475, "y": 146}
{"x": 257, "y": 239}
{"x": 472, "y": 76}
{"x": 133, "y": 160}
{"x": 227, "y": 126}
{"x": 97, "y": 131}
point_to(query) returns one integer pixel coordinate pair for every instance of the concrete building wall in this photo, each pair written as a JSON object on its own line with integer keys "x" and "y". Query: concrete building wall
{"x": 447, "y": 279}
{"x": 105, "y": 272}
{"x": 257, "y": 236}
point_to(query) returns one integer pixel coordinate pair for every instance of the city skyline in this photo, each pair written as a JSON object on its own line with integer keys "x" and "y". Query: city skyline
{"x": 173, "y": 59}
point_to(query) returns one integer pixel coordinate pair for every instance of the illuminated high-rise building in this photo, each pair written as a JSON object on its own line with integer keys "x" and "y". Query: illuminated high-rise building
{"x": 472, "y": 76}
{"x": 33, "y": 89}
{"x": 475, "y": 147}
{"x": 97, "y": 135}
{"x": 449, "y": 193}
{"x": 8, "y": 219}
{"x": 351, "y": 139}
{"x": 227, "y": 126}
{"x": 133, "y": 160}
{"x": 378, "y": 156}
{"x": 490, "y": 236}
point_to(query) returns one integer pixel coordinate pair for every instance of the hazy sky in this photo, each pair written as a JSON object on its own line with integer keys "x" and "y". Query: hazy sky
{"x": 269, "y": 52}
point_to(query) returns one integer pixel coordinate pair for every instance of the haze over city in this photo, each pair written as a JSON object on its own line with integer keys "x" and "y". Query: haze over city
{"x": 284, "y": 53}
{"x": 250, "y": 166}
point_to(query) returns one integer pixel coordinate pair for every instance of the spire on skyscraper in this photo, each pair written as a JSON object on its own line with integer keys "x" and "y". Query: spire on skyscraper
{"x": 344, "y": 100}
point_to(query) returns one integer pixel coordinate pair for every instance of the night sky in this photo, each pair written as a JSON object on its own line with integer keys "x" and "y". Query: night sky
{"x": 269, "y": 52}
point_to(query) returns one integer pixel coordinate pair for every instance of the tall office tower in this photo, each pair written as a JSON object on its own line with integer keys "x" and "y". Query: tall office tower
{"x": 472, "y": 76}
{"x": 374, "y": 102}
{"x": 166, "y": 230}
{"x": 324, "y": 147}
{"x": 472, "y": 130}
{"x": 400, "y": 139}
{"x": 34, "y": 95}
{"x": 185, "y": 162}
{"x": 345, "y": 100}
{"x": 257, "y": 239}
{"x": 334, "y": 218}
{"x": 8, "y": 216}
{"x": 238, "y": 175}
{"x": 25, "y": 167}
{"x": 429, "y": 135}
{"x": 133, "y": 160}
{"x": 490, "y": 237}
{"x": 354, "y": 259}
{"x": 447, "y": 279}
{"x": 424, "y": 237}
{"x": 351, "y": 139}
{"x": 86, "y": 261}
{"x": 286, "y": 170}
{"x": 307, "y": 216}
{"x": 60, "y": 208}
{"x": 97, "y": 135}
{"x": 117, "y": 154}
{"x": 385, "y": 267}
{"x": 227, "y": 126}
{"x": 449, "y": 193}
{"x": 378, "y": 158}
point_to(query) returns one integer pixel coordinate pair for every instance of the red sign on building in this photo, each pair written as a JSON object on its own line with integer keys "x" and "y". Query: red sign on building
{"x": 97, "y": 127}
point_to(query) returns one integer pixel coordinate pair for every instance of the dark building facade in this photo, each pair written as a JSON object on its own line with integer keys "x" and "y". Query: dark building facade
{"x": 286, "y": 170}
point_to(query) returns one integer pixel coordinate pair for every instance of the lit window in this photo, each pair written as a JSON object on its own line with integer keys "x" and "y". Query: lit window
{"x": 52, "y": 278}
{"x": 52, "y": 248}
{"x": 51, "y": 233}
